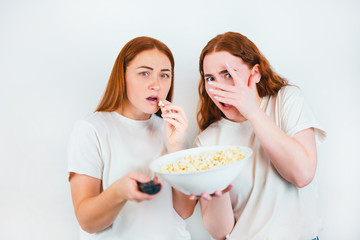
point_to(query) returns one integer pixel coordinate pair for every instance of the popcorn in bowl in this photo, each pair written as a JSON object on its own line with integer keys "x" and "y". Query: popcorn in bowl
{"x": 202, "y": 169}
{"x": 205, "y": 161}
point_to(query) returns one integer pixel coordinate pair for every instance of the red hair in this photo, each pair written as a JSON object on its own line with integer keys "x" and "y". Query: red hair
{"x": 239, "y": 46}
{"x": 115, "y": 92}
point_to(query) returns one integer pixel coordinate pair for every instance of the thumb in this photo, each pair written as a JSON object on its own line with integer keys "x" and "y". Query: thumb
{"x": 139, "y": 177}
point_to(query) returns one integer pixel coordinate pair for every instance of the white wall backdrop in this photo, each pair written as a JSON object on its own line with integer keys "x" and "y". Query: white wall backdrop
{"x": 56, "y": 58}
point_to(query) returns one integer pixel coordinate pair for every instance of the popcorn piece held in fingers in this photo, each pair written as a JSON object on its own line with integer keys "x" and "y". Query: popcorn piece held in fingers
{"x": 162, "y": 106}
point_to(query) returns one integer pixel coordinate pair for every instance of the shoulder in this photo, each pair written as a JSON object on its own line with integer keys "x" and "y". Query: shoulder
{"x": 288, "y": 93}
{"x": 95, "y": 122}
{"x": 214, "y": 127}
{"x": 208, "y": 134}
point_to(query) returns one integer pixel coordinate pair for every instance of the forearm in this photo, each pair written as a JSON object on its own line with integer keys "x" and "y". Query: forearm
{"x": 182, "y": 204}
{"x": 99, "y": 212}
{"x": 218, "y": 216}
{"x": 291, "y": 159}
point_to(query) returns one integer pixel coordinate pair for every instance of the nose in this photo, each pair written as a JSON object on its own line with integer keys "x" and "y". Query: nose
{"x": 155, "y": 83}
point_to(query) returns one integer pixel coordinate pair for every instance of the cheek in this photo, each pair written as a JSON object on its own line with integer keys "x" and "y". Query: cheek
{"x": 165, "y": 86}
{"x": 210, "y": 94}
{"x": 229, "y": 81}
{"x": 207, "y": 90}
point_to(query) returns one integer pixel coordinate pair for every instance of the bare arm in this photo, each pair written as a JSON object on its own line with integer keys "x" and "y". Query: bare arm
{"x": 96, "y": 210}
{"x": 182, "y": 204}
{"x": 294, "y": 158}
{"x": 175, "y": 126}
{"x": 217, "y": 215}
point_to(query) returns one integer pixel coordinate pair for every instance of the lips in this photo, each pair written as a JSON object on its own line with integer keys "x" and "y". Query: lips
{"x": 153, "y": 99}
{"x": 225, "y": 106}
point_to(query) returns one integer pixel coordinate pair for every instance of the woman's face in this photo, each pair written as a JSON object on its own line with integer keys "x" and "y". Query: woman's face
{"x": 148, "y": 80}
{"x": 215, "y": 70}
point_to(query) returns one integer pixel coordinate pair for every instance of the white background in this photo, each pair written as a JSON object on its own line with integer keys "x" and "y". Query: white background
{"x": 56, "y": 58}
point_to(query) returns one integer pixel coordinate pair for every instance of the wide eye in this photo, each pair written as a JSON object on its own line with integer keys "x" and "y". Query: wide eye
{"x": 145, "y": 74}
{"x": 210, "y": 79}
{"x": 227, "y": 75}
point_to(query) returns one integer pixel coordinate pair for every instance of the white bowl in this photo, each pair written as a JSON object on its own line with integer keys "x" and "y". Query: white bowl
{"x": 201, "y": 181}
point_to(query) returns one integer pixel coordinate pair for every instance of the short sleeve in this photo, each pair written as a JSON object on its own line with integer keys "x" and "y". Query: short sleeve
{"x": 296, "y": 115}
{"x": 197, "y": 142}
{"x": 84, "y": 151}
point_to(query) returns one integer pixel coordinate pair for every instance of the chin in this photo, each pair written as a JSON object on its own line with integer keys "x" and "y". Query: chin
{"x": 151, "y": 111}
{"x": 233, "y": 116}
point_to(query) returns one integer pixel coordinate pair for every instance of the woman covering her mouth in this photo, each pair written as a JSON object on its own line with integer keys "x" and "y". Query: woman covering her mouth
{"x": 111, "y": 149}
{"x": 244, "y": 102}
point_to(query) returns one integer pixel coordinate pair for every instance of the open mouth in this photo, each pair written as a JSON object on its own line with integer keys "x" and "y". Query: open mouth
{"x": 153, "y": 99}
{"x": 225, "y": 105}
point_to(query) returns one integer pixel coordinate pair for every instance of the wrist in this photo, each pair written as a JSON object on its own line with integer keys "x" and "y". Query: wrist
{"x": 116, "y": 194}
{"x": 255, "y": 114}
{"x": 173, "y": 148}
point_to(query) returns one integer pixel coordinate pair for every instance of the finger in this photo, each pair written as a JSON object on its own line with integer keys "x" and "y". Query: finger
{"x": 229, "y": 101}
{"x": 228, "y": 188}
{"x": 140, "y": 196}
{"x": 222, "y": 86}
{"x": 206, "y": 196}
{"x": 176, "y": 116}
{"x": 139, "y": 177}
{"x": 174, "y": 108}
{"x": 221, "y": 93}
{"x": 217, "y": 193}
{"x": 173, "y": 122}
{"x": 237, "y": 80}
{"x": 193, "y": 197}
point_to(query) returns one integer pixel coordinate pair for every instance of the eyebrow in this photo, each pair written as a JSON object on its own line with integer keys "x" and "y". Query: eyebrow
{"x": 150, "y": 68}
{"x": 221, "y": 72}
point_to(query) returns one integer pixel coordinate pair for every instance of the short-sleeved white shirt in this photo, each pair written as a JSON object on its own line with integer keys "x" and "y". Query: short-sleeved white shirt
{"x": 265, "y": 205}
{"x": 107, "y": 146}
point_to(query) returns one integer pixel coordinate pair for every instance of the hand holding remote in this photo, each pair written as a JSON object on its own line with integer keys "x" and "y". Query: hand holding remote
{"x": 149, "y": 187}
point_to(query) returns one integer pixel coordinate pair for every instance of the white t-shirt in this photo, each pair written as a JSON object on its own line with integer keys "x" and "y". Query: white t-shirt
{"x": 107, "y": 146}
{"x": 265, "y": 205}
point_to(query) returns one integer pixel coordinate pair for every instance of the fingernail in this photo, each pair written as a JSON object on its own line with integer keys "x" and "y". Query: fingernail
{"x": 192, "y": 198}
{"x": 228, "y": 65}
{"x": 205, "y": 197}
{"x": 216, "y": 97}
{"x": 210, "y": 83}
{"x": 211, "y": 89}
{"x": 217, "y": 193}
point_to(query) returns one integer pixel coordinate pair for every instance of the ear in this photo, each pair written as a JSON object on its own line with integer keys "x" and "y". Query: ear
{"x": 255, "y": 72}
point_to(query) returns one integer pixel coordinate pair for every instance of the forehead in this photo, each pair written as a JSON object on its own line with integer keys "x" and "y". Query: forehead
{"x": 216, "y": 61}
{"x": 151, "y": 58}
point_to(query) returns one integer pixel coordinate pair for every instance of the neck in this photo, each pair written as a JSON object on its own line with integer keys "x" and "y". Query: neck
{"x": 133, "y": 113}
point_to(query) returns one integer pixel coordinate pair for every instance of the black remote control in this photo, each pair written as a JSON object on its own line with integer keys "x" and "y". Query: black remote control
{"x": 149, "y": 187}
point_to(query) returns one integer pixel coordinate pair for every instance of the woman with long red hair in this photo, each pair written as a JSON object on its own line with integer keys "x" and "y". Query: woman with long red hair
{"x": 111, "y": 149}
{"x": 244, "y": 102}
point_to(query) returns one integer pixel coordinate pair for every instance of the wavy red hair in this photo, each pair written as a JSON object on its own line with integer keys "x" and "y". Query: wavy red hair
{"x": 239, "y": 46}
{"x": 115, "y": 92}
